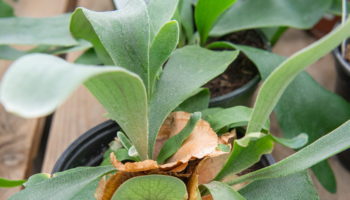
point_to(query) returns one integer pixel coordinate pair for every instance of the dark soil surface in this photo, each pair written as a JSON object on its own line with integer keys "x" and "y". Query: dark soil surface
{"x": 240, "y": 71}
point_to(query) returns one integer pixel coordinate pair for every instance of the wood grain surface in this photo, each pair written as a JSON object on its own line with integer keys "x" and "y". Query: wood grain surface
{"x": 20, "y": 137}
{"x": 79, "y": 113}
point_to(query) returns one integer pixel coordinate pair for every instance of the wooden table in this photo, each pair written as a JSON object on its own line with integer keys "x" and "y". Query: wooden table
{"x": 20, "y": 137}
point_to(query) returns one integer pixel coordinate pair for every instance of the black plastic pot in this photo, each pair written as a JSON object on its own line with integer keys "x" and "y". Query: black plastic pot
{"x": 88, "y": 149}
{"x": 342, "y": 87}
{"x": 243, "y": 95}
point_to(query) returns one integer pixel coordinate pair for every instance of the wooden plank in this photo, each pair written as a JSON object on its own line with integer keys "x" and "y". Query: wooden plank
{"x": 20, "y": 137}
{"x": 323, "y": 71}
{"x": 79, "y": 113}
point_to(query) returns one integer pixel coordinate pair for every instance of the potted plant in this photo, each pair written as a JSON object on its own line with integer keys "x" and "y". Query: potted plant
{"x": 142, "y": 105}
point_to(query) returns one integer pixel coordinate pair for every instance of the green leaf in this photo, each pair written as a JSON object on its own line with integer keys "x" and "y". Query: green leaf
{"x": 9, "y": 53}
{"x": 198, "y": 100}
{"x": 129, "y": 46}
{"x": 151, "y": 187}
{"x": 273, "y": 33}
{"x": 278, "y": 81}
{"x": 175, "y": 142}
{"x": 81, "y": 27}
{"x": 186, "y": 16}
{"x": 221, "y": 191}
{"x": 36, "y": 31}
{"x": 35, "y": 179}
{"x": 205, "y": 14}
{"x": 294, "y": 143}
{"x": 160, "y": 12}
{"x": 306, "y": 107}
{"x": 89, "y": 57}
{"x": 163, "y": 45}
{"x": 210, "y": 112}
{"x": 290, "y": 13}
{"x": 5, "y": 183}
{"x": 187, "y": 69}
{"x": 322, "y": 149}
{"x": 122, "y": 155}
{"x": 106, "y": 162}
{"x": 237, "y": 116}
{"x": 65, "y": 185}
{"x": 306, "y": 115}
{"x": 224, "y": 148}
{"x": 294, "y": 186}
{"x": 6, "y": 10}
{"x": 246, "y": 152}
{"x": 121, "y": 92}
{"x": 124, "y": 140}
{"x": 82, "y": 45}
{"x": 336, "y": 7}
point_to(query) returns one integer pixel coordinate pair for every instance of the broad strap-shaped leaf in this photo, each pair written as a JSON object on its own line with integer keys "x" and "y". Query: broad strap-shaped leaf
{"x": 52, "y": 31}
{"x": 5, "y": 183}
{"x": 82, "y": 45}
{"x": 205, "y": 14}
{"x": 9, "y": 53}
{"x": 187, "y": 69}
{"x": 186, "y": 16}
{"x": 163, "y": 45}
{"x": 235, "y": 117}
{"x": 306, "y": 115}
{"x": 151, "y": 187}
{"x": 210, "y": 112}
{"x": 294, "y": 186}
{"x": 248, "y": 14}
{"x": 35, "y": 179}
{"x": 278, "y": 81}
{"x": 198, "y": 101}
{"x": 248, "y": 150}
{"x": 129, "y": 46}
{"x": 221, "y": 191}
{"x": 294, "y": 143}
{"x": 64, "y": 185}
{"x": 322, "y": 149}
{"x": 121, "y": 92}
{"x": 174, "y": 143}
{"x": 160, "y": 12}
{"x": 81, "y": 27}
{"x": 6, "y": 10}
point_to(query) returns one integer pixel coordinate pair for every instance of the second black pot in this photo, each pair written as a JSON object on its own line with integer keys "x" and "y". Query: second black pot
{"x": 342, "y": 87}
{"x": 89, "y": 148}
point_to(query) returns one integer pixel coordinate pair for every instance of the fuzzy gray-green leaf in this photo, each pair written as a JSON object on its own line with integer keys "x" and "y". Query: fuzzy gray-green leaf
{"x": 121, "y": 92}
{"x": 294, "y": 186}
{"x": 66, "y": 185}
{"x": 151, "y": 187}
{"x": 187, "y": 69}
{"x": 36, "y": 31}
{"x": 322, "y": 149}
{"x": 248, "y": 14}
